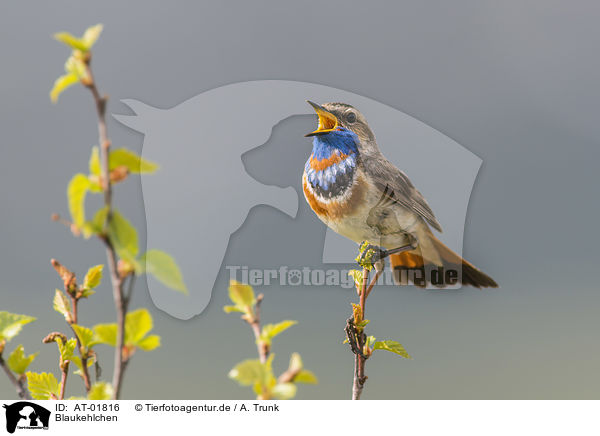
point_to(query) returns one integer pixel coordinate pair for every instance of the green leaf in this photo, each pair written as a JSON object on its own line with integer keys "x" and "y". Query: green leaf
{"x": 134, "y": 163}
{"x": 66, "y": 349}
{"x": 295, "y": 362}
{"x": 357, "y": 276}
{"x": 105, "y": 334}
{"x": 77, "y": 361}
{"x": 370, "y": 340}
{"x": 71, "y": 41}
{"x": 76, "y": 192}
{"x": 85, "y": 335}
{"x": 365, "y": 256}
{"x": 137, "y": 324}
{"x": 269, "y": 331}
{"x": 61, "y": 305}
{"x": 43, "y": 386}
{"x": 61, "y": 84}
{"x": 249, "y": 372}
{"x": 241, "y": 295}
{"x": 149, "y": 343}
{"x": 99, "y": 220}
{"x": 91, "y": 35}
{"x": 284, "y": 391}
{"x": 84, "y": 43}
{"x": 306, "y": 376}
{"x": 96, "y": 226}
{"x": 123, "y": 236}
{"x": 87, "y": 293}
{"x": 229, "y": 309}
{"x": 93, "y": 277}
{"x": 264, "y": 388}
{"x": 392, "y": 346}
{"x": 163, "y": 267}
{"x": 302, "y": 375}
{"x": 100, "y": 391}
{"x": 74, "y": 65}
{"x": 11, "y": 324}
{"x": 18, "y": 361}
{"x": 94, "y": 164}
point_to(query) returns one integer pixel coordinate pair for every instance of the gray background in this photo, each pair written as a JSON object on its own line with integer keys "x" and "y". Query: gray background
{"x": 514, "y": 82}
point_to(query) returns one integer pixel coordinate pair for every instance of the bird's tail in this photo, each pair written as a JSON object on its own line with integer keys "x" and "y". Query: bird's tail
{"x": 433, "y": 263}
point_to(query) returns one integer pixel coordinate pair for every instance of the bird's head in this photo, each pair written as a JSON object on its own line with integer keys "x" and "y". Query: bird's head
{"x": 340, "y": 124}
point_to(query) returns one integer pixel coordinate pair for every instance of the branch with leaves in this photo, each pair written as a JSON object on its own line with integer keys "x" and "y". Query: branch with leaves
{"x": 361, "y": 345}
{"x": 78, "y": 351}
{"x": 258, "y": 373}
{"x": 17, "y": 362}
{"x": 107, "y": 168}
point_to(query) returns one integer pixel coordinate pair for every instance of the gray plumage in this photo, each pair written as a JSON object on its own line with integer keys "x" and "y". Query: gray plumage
{"x": 396, "y": 186}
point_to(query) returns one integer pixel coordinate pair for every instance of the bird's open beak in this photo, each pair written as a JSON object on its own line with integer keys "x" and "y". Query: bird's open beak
{"x": 327, "y": 121}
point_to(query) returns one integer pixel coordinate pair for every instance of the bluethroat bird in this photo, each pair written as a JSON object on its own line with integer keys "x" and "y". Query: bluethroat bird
{"x": 359, "y": 194}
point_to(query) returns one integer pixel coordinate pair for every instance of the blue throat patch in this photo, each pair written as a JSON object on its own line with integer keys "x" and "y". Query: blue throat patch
{"x": 343, "y": 140}
{"x": 333, "y": 180}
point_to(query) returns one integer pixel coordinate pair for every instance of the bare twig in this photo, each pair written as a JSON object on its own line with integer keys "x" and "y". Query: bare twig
{"x": 127, "y": 296}
{"x": 84, "y": 358}
{"x": 116, "y": 280}
{"x": 18, "y": 383}
{"x": 355, "y": 332}
{"x": 262, "y": 347}
{"x": 63, "y": 379}
{"x": 289, "y": 375}
{"x": 373, "y": 282}
{"x": 356, "y": 336}
{"x": 359, "y": 337}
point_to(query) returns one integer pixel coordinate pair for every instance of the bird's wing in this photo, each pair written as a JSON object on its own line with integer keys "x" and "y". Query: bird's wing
{"x": 396, "y": 187}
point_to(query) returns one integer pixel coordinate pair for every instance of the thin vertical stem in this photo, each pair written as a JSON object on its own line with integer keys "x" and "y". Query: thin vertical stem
{"x": 84, "y": 359}
{"x": 261, "y": 346}
{"x": 116, "y": 280}
{"x": 63, "y": 380}
{"x": 360, "y": 357}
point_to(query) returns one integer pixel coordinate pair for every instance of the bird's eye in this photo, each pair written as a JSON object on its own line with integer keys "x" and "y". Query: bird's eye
{"x": 351, "y": 117}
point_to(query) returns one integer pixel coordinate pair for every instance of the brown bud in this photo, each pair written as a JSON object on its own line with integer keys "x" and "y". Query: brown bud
{"x": 128, "y": 351}
{"x": 124, "y": 268}
{"x": 75, "y": 230}
{"x": 52, "y": 337}
{"x": 67, "y": 276}
{"x": 119, "y": 174}
{"x": 86, "y": 81}
{"x": 55, "y": 217}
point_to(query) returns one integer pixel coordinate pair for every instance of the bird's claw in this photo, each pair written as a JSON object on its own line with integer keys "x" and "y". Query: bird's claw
{"x": 370, "y": 254}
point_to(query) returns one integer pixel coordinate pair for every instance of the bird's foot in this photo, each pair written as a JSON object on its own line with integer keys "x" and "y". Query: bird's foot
{"x": 370, "y": 255}
{"x": 408, "y": 247}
